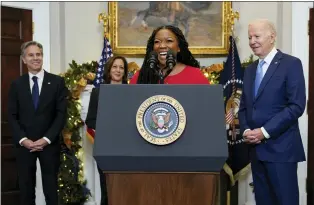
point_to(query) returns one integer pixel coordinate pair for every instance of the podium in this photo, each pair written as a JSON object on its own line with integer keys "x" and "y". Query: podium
{"x": 184, "y": 172}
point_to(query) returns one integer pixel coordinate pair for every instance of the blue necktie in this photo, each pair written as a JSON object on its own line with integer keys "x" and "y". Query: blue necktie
{"x": 35, "y": 92}
{"x": 259, "y": 76}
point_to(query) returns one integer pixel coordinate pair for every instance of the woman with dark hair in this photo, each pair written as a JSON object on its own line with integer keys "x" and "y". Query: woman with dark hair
{"x": 116, "y": 72}
{"x": 186, "y": 70}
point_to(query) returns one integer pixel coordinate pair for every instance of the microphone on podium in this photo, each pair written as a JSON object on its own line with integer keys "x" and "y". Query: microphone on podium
{"x": 171, "y": 59}
{"x": 153, "y": 60}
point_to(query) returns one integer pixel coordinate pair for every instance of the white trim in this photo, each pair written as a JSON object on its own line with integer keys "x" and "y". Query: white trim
{"x": 300, "y": 49}
{"x": 41, "y": 21}
{"x": 90, "y": 167}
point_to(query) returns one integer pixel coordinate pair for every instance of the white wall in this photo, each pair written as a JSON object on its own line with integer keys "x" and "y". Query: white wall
{"x": 300, "y": 49}
{"x": 57, "y": 37}
{"x": 75, "y": 33}
{"x": 277, "y": 12}
{"x": 248, "y": 12}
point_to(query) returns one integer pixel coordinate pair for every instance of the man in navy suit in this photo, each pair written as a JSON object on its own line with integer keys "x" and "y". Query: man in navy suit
{"x": 37, "y": 113}
{"x": 273, "y": 99}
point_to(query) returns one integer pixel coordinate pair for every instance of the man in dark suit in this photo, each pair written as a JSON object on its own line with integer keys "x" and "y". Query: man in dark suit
{"x": 37, "y": 113}
{"x": 273, "y": 99}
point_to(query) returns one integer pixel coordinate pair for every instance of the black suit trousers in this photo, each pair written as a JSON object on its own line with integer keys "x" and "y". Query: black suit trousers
{"x": 49, "y": 160}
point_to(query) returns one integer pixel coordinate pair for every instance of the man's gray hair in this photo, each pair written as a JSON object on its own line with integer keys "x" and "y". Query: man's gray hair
{"x": 270, "y": 25}
{"x": 31, "y": 43}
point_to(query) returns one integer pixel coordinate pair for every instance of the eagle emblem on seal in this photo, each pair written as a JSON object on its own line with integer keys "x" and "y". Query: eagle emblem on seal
{"x": 161, "y": 120}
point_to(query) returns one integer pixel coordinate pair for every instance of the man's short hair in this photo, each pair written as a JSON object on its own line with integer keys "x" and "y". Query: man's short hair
{"x": 31, "y": 43}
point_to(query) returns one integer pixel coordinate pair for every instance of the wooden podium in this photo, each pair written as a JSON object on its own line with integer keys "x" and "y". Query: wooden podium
{"x": 163, "y": 189}
{"x": 185, "y": 172}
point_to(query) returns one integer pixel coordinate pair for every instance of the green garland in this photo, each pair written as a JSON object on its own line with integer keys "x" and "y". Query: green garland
{"x": 72, "y": 186}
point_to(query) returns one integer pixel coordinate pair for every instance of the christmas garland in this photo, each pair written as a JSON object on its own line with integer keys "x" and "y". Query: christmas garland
{"x": 72, "y": 185}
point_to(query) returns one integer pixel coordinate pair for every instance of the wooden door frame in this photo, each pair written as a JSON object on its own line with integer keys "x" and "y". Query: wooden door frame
{"x": 41, "y": 23}
{"x": 16, "y": 25}
{"x": 310, "y": 106}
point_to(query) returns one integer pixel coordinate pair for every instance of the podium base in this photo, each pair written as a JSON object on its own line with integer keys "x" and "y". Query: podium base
{"x": 163, "y": 189}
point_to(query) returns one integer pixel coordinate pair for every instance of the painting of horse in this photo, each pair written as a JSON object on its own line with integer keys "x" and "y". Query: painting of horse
{"x": 202, "y": 23}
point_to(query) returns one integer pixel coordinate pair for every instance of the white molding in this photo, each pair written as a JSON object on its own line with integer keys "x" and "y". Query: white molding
{"x": 41, "y": 21}
{"x": 90, "y": 166}
{"x": 300, "y": 49}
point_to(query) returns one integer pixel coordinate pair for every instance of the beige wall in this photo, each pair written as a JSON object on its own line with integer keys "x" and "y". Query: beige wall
{"x": 76, "y": 33}
{"x": 278, "y": 12}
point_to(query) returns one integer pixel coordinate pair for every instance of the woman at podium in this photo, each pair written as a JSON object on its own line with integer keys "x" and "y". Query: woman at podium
{"x": 116, "y": 72}
{"x": 168, "y": 60}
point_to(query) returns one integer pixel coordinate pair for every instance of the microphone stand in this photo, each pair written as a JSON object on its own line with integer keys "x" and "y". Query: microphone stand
{"x": 161, "y": 77}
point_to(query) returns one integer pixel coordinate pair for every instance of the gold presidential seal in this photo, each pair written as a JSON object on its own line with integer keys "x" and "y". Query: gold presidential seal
{"x": 160, "y": 120}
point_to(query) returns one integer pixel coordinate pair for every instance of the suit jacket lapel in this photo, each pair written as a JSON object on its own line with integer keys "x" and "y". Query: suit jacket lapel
{"x": 28, "y": 93}
{"x": 269, "y": 73}
{"x": 44, "y": 90}
{"x": 252, "y": 83}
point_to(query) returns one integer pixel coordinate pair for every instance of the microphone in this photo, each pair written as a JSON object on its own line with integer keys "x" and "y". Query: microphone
{"x": 171, "y": 59}
{"x": 153, "y": 60}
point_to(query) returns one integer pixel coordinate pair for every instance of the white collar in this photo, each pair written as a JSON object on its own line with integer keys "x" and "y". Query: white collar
{"x": 270, "y": 56}
{"x": 39, "y": 75}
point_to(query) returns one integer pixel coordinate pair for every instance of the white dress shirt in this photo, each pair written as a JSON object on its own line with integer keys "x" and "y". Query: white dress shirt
{"x": 40, "y": 78}
{"x": 268, "y": 59}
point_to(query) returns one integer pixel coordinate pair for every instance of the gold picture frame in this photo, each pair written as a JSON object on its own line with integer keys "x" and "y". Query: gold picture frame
{"x": 129, "y": 38}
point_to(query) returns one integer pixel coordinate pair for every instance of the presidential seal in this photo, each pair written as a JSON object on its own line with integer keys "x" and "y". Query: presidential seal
{"x": 160, "y": 120}
{"x": 232, "y": 105}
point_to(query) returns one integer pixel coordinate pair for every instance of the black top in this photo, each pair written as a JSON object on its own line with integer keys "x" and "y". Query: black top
{"x": 92, "y": 109}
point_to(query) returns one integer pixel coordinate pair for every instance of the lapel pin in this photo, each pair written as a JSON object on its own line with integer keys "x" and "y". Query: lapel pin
{"x": 276, "y": 62}
{"x": 48, "y": 83}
